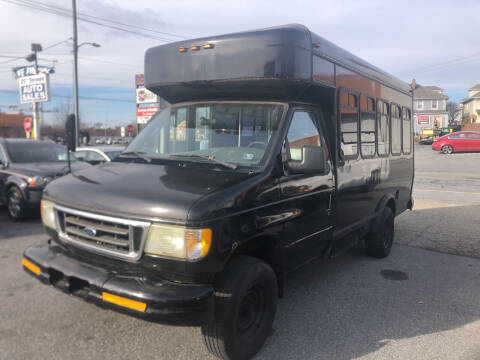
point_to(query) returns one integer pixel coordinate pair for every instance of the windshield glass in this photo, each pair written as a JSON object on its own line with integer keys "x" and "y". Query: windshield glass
{"x": 236, "y": 133}
{"x": 112, "y": 154}
{"x": 36, "y": 151}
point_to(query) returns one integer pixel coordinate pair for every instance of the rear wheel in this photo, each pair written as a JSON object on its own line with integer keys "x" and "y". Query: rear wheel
{"x": 15, "y": 204}
{"x": 379, "y": 241}
{"x": 245, "y": 305}
{"x": 447, "y": 149}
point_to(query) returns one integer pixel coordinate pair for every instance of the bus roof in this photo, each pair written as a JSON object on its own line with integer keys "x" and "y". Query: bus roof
{"x": 278, "y": 60}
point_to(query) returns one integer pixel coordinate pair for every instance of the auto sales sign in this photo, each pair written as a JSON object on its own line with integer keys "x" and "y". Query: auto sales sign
{"x": 34, "y": 88}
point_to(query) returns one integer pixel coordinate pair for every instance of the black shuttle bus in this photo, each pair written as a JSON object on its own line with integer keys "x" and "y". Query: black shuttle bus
{"x": 278, "y": 148}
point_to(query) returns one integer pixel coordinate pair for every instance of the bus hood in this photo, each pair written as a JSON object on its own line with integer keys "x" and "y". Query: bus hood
{"x": 139, "y": 191}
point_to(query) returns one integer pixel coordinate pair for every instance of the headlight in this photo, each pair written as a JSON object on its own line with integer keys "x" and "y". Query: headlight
{"x": 48, "y": 214}
{"x": 36, "y": 181}
{"x": 178, "y": 242}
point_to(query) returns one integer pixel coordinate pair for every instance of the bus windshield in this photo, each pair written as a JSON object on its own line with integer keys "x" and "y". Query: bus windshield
{"x": 238, "y": 134}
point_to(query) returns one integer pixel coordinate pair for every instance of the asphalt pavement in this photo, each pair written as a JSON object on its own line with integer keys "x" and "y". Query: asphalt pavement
{"x": 415, "y": 304}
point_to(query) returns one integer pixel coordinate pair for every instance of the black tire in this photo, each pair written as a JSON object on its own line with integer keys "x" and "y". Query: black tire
{"x": 379, "y": 241}
{"x": 447, "y": 149}
{"x": 245, "y": 304}
{"x": 15, "y": 204}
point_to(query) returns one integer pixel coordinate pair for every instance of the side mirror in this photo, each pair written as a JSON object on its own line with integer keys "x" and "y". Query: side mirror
{"x": 70, "y": 132}
{"x": 314, "y": 161}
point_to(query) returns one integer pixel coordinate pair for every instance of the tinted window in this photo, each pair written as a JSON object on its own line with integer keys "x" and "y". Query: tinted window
{"x": 396, "y": 127}
{"x": 323, "y": 70}
{"x": 407, "y": 130}
{"x": 457, "y": 136}
{"x": 367, "y": 126}
{"x": 383, "y": 128}
{"x": 473, "y": 136}
{"x": 302, "y": 132}
{"x": 349, "y": 124}
{"x": 36, "y": 151}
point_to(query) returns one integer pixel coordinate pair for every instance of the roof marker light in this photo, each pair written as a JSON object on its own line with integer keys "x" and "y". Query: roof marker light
{"x": 183, "y": 49}
{"x": 208, "y": 46}
{"x": 195, "y": 48}
{"x": 317, "y": 45}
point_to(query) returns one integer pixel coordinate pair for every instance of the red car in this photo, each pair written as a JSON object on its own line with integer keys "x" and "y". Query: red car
{"x": 461, "y": 141}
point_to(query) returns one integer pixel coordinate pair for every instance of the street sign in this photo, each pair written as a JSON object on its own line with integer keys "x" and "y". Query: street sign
{"x": 27, "y": 124}
{"x": 145, "y": 96}
{"x": 28, "y": 70}
{"x": 145, "y": 113}
{"x": 130, "y": 128}
{"x": 34, "y": 88}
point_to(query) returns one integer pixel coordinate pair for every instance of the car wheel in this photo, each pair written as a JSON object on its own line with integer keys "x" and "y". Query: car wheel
{"x": 15, "y": 204}
{"x": 379, "y": 241}
{"x": 447, "y": 149}
{"x": 244, "y": 309}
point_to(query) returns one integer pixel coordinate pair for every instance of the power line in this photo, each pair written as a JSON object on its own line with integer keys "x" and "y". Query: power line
{"x": 81, "y": 97}
{"x": 66, "y": 13}
{"x": 451, "y": 61}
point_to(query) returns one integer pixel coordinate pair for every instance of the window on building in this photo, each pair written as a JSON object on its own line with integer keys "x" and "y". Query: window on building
{"x": 348, "y": 124}
{"x": 434, "y": 104}
{"x": 383, "y": 128}
{"x": 419, "y": 104}
{"x": 367, "y": 126}
{"x": 396, "y": 130}
{"x": 406, "y": 131}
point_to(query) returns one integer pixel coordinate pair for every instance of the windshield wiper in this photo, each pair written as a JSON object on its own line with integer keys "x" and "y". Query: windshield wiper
{"x": 138, "y": 154}
{"x": 207, "y": 157}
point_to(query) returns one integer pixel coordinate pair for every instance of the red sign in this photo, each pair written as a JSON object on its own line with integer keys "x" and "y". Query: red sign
{"x": 130, "y": 128}
{"x": 27, "y": 124}
{"x": 424, "y": 119}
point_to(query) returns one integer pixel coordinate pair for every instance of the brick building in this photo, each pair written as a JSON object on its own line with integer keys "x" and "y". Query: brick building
{"x": 11, "y": 125}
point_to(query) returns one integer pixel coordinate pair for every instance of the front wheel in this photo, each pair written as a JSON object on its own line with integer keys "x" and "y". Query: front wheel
{"x": 15, "y": 204}
{"x": 379, "y": 241}
{"x": 245, "y": 305}
{"x": 447, "y": 149}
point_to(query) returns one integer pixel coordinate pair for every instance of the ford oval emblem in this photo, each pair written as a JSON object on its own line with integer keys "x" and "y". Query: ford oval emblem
{"x": 90, "y": 232}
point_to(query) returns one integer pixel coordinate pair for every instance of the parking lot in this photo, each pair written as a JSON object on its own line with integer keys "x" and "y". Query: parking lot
{"x": 422, "y": 302}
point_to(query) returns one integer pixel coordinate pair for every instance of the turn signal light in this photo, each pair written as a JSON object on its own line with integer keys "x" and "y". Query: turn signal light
{"x": 183, "y": 49}
{"x": 208, "y": 46}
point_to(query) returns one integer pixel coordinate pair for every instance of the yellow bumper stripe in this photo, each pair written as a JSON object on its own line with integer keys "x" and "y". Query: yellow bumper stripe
{"x": 118, "y": 300}
{"x": 33, "y": 268}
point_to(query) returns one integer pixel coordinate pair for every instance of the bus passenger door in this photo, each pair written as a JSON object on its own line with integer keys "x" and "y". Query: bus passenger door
{"x": 306, "y": 198}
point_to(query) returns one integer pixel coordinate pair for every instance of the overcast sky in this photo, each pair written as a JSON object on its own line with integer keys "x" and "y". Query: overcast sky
{"x": 435, "y": 42}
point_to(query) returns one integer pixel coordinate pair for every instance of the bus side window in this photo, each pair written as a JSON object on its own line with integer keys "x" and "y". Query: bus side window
{"x": 406, "y": 131}
{"x": 396, "y": 127}
{"x": 383, "y": 128}
{"x": 348, "y": 112}
{"x": 367, "y": 126}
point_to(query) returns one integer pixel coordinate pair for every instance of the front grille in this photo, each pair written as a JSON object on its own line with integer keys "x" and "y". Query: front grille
{"x": 107, "y": 235}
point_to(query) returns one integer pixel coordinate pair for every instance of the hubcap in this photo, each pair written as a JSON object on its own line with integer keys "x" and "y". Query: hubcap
{"x": 252, "y": 309}
{"x": 447, "y": 149}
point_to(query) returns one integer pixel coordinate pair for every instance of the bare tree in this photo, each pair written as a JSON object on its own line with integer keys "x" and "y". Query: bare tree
{"x": 452, "y": 110}
{"x": 65, "y": 108}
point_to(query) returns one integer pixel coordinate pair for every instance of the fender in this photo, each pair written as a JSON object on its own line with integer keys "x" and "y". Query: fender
{"x": 18, "y": 180}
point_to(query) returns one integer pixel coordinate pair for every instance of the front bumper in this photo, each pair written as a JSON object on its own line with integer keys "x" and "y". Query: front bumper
{"x": 135, "y": 294}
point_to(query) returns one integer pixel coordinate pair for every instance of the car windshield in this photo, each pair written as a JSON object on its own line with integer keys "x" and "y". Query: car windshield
{"x": 227, "y": 134}
{"x": 36, "y": 151}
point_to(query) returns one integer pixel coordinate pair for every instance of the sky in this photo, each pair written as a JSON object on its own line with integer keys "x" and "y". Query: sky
{"x": 435, "y": 42}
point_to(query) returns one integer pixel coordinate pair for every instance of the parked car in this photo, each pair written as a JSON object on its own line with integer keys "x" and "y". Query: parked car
{"x": 26, "y": 167}
{"x": 461, "y": 141}
{"x": 99, "y": 154}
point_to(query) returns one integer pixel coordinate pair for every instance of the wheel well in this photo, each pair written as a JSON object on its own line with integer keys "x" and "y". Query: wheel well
{"x": 265, "y": 249}
{"x": 391, "y": 205}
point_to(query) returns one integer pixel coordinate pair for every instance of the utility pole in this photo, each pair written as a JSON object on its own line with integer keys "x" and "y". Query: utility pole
{"x": 75, "y": 72}
{"x": 36, "y": 121}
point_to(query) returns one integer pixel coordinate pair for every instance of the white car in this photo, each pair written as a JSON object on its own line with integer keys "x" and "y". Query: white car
{"x": 99, "y": 154}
